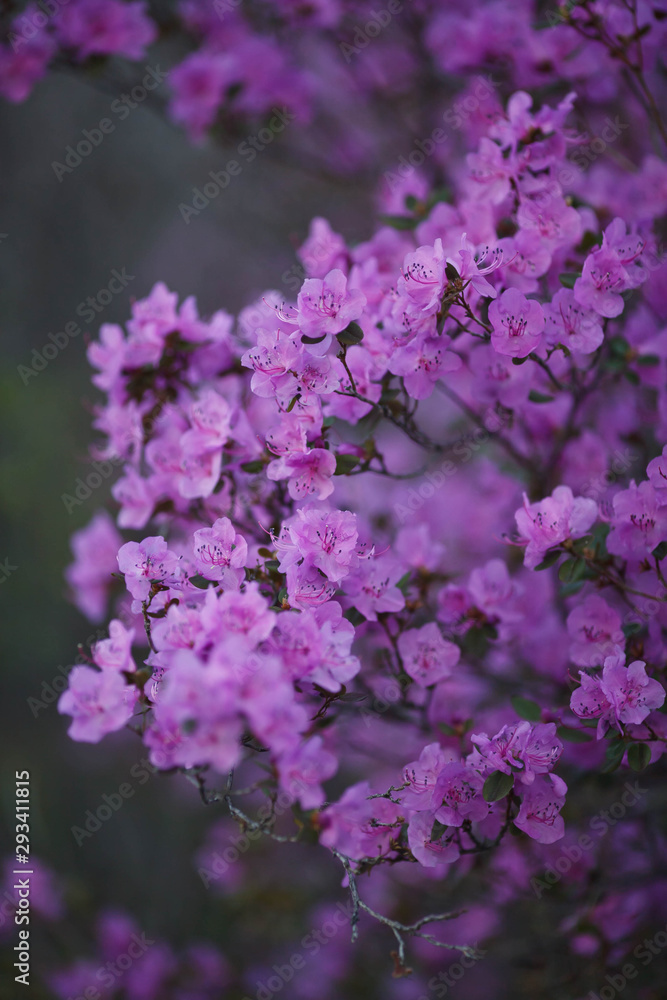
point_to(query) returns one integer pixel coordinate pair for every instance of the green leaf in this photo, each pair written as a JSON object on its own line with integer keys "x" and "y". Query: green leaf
{"x": 445, "y": 728}
{"x": 632, "y": 377}
{"x": 352, "y": 334}
{"x": 345, "y": 464}
{"x": 451, "y": 273}
{"x": 399, "y": 221}
{"x": 549, "y": 559}
{"x": 265, "y": 553}
{"x": 639, "y": 756}
{"x": 647, "y": 360}
{"x": 519, "y": 361}
{"x": 255, "y": 466}
{"x": 293, "y": 402}
{"x": 411, "y": 202}
{"x": 312, "y": 340}
{"x": 614, "y": 755}
{"x": 200, "y": 581}
{"x": 497, "y": 785}
{"x": 632, "y": 628}
{"x": 567, "y": 279}
{"x": 571, "y": 570}
{"x": 619, "y": 346}
{"x": 539, "y": 397}
{"x": 572, "y": 735}
{"x": 404, "y": 582}
{"x": 354, "y": 617}
{"x": 568, "y": 589}
{"x": 660, "y": 551}
{"x": 527, "y": 709}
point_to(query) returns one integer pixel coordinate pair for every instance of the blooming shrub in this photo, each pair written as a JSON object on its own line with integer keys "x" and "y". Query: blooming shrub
{"x": 391, "y": 480}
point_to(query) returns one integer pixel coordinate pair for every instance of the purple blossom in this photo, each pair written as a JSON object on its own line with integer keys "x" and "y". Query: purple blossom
{"x": 620, "y": 695}
{"x": 517, "y": 324}
{"x": 357, "y": 826}
{"x": 551, "y": 521}
{"x": 539, "y": 814}
{"x": 326, "y": 306}
{"x": 595, "y": 630}
{"x": 639, "y": 522}
{"x": 100, "y": 702}
{"x": 429, "y": 852}
{"x": 570, "y": 324}
{"x": 426, "y": 656}
{"x": 144, "y": 562}
{"x": 221, "y": 553}
{"x": 458, "y": 795}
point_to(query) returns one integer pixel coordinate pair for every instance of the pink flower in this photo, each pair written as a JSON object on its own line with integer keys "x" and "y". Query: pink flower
{"x": 428, "y": 852}
{"x": 494, "y": 592}
{"x": 200, "y": 702}
{"x": 595, "y": 630}
{"x": 99, "y": 702}
{"x": 357, "y": 826}
{"x": 472, "y": 266}
{"x": 26, "y": 62}
{"x": 221, "y": 553}
{"x": 569, "y": 323}
{"x": 373, "y": 587}
{"x": 326, "y": 306}
{"x": 325, "y": 538}
{"x": 639, "y": 522}
{"x": 427, "y": 657}
{"x": 199, "y": 84}
{"x": 423, "y": 277}
{"x": 517, "y": 324}
{"x": 458, "y": 795}
{"x": 421, "y": 776}
{"x": 656, "y": 471}
{"x": 490, "y": 171}
{"x": 550, "y": 521}
{"x": 620, "y": 695}
{"x": 539, "y": 815}
{"x": 302, "y": 770}
{"x": 525, "y": 747}
{"x": 308, "y": 472}
{"x": 115, "y": 653}
{"x": 144, "y": 562}
{"x": 95, "y": 548}
{"x": 421, "y": 363}
{"x": 105, "y": 27}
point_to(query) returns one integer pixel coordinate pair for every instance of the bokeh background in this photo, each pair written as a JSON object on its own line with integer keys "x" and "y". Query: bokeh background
{"x": 117, "y": 209}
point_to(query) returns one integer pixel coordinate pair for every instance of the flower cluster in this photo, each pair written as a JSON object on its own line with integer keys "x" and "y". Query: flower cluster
{"x": 477, "y": 364}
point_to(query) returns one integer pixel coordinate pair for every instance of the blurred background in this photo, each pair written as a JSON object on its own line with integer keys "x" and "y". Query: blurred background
{"x": 118, "y": 209}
